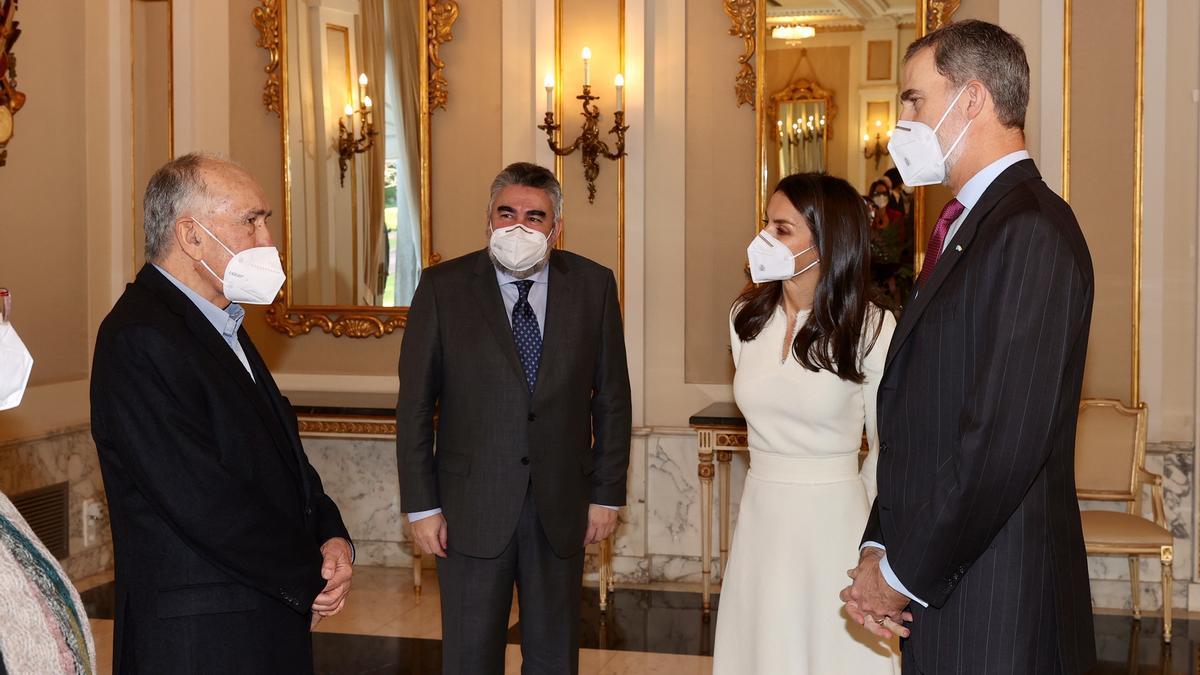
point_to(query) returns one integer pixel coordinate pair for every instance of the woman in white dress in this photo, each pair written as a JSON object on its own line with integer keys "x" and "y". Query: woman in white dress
{"x": 809, "y": 349}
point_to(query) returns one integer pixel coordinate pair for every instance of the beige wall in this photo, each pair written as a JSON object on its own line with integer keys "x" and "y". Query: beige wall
{"x": 720, "y": 184}
{"x": 44, "y": 255}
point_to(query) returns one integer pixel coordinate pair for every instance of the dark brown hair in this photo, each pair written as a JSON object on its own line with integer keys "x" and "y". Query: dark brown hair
{"x": 832, "y": 336}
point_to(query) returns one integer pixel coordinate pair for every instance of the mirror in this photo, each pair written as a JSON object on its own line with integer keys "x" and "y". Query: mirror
{"x": 357, "y": 81}
{"x": 828, "y": 95}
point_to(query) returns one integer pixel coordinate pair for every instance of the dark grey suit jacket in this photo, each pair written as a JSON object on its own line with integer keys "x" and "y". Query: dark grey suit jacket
{"x": 570, "y": 437}
{"x": 977, "y": 414}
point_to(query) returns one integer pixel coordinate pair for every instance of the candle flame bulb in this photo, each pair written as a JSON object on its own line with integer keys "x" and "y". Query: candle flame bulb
{"x": 362, "y": 79}
{"x": 367, "y": 101}
{"x": 587, "y": 53}
{"x": 549, "y": 81}
{"x": 619, "y": 80}
{"x": 349, "y": 110}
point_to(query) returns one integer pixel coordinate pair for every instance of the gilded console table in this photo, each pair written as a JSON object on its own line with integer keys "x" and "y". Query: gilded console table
{"x": 721, "y": 431}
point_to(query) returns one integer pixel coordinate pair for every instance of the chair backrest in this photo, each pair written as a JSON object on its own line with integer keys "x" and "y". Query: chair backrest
{"x": 1110, "y": 448}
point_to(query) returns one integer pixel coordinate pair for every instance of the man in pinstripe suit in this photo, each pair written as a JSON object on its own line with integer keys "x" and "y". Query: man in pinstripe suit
{"x": 974, "y": 550}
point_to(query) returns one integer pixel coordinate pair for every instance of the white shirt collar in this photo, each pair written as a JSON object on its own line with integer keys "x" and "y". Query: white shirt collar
{"x": 970, "y": 193}
{"x": 542, "y": 276}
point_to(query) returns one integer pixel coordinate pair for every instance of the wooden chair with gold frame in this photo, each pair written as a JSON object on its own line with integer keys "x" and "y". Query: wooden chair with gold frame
{"x": 1110, "y": 465}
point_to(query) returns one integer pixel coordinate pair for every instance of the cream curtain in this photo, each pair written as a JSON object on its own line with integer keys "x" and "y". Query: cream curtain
{"x": 374, "y": 41}
{"x": 404, "y": 142}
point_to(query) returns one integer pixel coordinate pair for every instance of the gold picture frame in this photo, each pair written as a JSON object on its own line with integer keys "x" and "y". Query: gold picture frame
{"x": 285, "y": 316}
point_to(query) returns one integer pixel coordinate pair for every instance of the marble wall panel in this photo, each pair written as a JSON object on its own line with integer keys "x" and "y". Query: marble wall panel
{"x": 65, "y": 456}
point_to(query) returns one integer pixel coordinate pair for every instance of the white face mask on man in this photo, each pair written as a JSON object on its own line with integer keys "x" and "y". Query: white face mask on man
{"x": 918, "y": 155}
{"x": 253, "y": 276}
{"x": 518, "y": 248}
{"x": 770, "y": 260}
{"x": 15, "y": 361}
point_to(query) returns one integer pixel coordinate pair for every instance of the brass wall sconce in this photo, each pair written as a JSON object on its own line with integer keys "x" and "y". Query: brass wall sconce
{"x": 350, "y": 145}
{"x": 11, "y": 100}
{"x": 588, "y": 142}
{"x": 879, "y": 150}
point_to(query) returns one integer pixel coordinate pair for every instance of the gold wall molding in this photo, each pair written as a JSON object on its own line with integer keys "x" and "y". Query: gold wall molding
{"x": 937, "y": 13}
{"x": 744, "y": 14}
{"x": 344, "y": 426}
{"x": 293, "y": 323}
{"x": 439, "y": 30}
{"x": 11, "y": 99}
{"x": 268, "y": 19}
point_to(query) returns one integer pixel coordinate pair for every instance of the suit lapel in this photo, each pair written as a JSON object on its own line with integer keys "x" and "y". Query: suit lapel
{"x": 491, "y": 304}
{"x": 560, "y": 312}
{"x": 287, "y": 436}
{"x": 204, "y": 332}
{"x": 1011, "y": 177}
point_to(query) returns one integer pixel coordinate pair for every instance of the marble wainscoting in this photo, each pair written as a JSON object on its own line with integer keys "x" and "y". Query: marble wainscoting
{"x": 360, "y": 475}
{"x": 1110, "y": 574}
{"x": 68, "y": 455}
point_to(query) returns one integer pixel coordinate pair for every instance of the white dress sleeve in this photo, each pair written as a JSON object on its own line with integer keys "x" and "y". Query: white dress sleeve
{"x": 872, "y": 365}
{"x": 735, "y": 344}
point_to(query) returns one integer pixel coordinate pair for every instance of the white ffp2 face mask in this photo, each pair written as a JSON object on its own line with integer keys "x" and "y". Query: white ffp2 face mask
{"x": 915, "y": 149}
{"x": 253, "y": 276}
{"x": 518, "y": 248}
{"x": 770, "y": 260}
{"x": 15, "y": 365}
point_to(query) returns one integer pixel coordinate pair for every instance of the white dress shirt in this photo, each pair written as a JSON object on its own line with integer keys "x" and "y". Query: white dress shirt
{"x": 968, "y": 196}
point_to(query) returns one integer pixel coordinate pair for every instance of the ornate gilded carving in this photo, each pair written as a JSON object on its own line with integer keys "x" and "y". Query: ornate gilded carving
{"x": 321, "y": 426}
{"x": 804, "y": 90}
{"x": 731, "y": 441}
{"x": 358, "y": 325}
{"x": 11, "y": 100}
{"x": 706, "y": 470}
{"x": 268, "y": 21}
{"x": 938, "y": 13}
{"x": 743, "y": 14}
{"x": 442, "y": 15}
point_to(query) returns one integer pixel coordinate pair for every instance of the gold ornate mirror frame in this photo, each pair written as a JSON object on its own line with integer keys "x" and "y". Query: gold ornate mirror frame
{"x": 749, "y": 21}
{"x": 270, "y": 18}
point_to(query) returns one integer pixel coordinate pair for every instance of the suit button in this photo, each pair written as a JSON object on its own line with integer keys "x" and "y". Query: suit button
{"x": 525, "y": 461}
{"x": 308, "y": 510}
{"x": 883, "y": 448}
{"x": 532, "y": 417}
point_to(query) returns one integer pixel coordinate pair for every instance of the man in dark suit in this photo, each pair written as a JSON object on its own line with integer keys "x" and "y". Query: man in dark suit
{"x": 532, "y": 434}
{"x": 976, "y": 527}
{"x": 227, "y": 549}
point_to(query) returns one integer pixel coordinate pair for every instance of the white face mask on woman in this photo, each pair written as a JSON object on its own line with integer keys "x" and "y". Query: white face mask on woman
{"x": 770, "y": 260}
{"x": 253, "y": 276}
{"x": 918, "y": 155}
{"x": 518, "y": 248}
{"x": 880, "y": 200}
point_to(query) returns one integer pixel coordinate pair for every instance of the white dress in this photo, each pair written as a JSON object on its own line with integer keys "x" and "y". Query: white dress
{"x": 804, "y": 507}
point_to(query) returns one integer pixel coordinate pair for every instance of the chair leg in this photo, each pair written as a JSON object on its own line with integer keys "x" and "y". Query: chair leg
{"x": 1135, "y": 596}
{"x": 1167, "y": 556}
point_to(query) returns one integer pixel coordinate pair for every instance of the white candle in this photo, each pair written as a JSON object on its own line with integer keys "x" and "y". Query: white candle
{"x": 367, "y": 101}
{"x": 587, "y": 74}
{"x": 620, "y": 82}
{"x": 549, "y": 82}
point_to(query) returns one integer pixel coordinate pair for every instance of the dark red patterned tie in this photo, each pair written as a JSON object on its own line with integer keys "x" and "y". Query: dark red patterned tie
{"x": 933, "y": 251}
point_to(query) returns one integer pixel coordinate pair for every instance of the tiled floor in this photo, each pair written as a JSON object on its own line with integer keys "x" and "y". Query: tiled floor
{"x": 386, "y": 628}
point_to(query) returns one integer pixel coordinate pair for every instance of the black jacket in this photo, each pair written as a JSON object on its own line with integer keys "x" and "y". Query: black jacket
{"x": 977, "y": 416}
{"x": 217, "y": 516}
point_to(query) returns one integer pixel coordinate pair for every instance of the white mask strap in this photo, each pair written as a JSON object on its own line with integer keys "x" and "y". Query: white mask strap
{"x": 807, "y": 267}
{"x": 949, "y": 108}
{"x": 227, "y": 249}
{"x": 803, "y": 252}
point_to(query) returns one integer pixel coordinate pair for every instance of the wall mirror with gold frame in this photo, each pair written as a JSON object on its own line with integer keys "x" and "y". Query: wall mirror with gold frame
{"x": 841, "y": 59}
{"x": 355, "y": 83}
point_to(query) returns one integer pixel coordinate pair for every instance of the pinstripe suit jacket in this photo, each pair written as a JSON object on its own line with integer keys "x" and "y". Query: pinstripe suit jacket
{"x": 977, "y": 412}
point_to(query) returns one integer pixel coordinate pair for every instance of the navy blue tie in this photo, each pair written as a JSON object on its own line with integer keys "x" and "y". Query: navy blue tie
{"x": 526, "y": 333}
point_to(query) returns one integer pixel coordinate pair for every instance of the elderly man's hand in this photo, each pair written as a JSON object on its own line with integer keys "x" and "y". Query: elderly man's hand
{"x": 871, "y": 602}
{"x": 602, "y": 522}
{"x": 336, "y": 570}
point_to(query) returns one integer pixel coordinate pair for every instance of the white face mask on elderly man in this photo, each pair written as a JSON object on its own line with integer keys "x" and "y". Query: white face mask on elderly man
{"x": 253, "y": 276}
{"x": 918, "y": 155}
{"x": 15, "y": 360}
{"x": 517, "y": 247}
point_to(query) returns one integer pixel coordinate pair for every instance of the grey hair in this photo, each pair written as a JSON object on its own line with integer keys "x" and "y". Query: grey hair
{"x": 978, "y": 50}
{"x": 529, "y": 175}
{"x": 176, "y": 186}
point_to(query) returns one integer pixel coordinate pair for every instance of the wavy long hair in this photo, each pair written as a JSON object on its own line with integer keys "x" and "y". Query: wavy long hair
{"x": 834, "y": 337}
